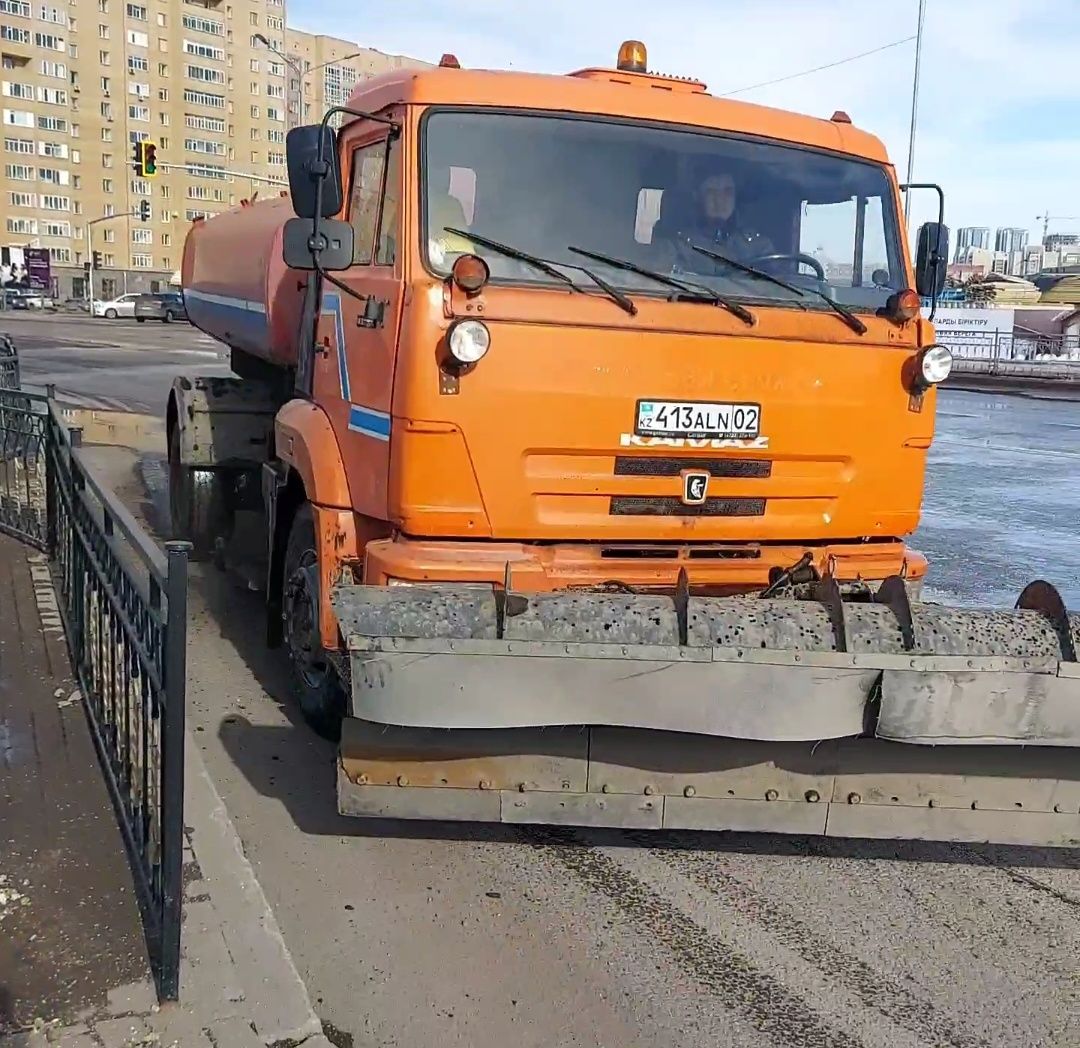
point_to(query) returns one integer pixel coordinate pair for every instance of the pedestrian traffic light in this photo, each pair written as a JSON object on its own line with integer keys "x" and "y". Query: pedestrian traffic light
{"x": 137, "y": 158}
{"x": 144, "y": 210}
{"x": 149, "y": 159}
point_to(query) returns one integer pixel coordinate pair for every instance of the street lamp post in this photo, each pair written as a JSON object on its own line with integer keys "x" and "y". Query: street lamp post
{"x": 914, "y": 109}
{"x": 90, "y": 247}
{"x": 301, "y": 73}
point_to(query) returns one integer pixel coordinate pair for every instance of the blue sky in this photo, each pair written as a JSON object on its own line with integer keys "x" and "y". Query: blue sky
{"x": 999, "y": 106}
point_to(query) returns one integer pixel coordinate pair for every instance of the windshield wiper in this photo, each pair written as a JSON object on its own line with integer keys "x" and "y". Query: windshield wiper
{"x": 845, "y": 314}
{"x": 693, "y": 292}
{"x": 546, "y": 265}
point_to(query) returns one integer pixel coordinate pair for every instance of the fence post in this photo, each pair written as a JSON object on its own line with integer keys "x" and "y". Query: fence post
{"x": 172, "y": 766}
{"x": 51, "y": 451}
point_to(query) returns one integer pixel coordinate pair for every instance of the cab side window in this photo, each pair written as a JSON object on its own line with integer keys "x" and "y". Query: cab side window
{"x": 365, "y": 195}
{"x": 390, "y": 223}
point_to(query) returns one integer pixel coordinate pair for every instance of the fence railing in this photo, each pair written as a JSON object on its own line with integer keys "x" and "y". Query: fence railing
{"x": 124, "y": 605}
{"x": 1003, "y": 346}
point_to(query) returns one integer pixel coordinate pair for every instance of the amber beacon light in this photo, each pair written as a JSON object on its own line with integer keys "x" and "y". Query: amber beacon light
{"x": 633, "y": 57}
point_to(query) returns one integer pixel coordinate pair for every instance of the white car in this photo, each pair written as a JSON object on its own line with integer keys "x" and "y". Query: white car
{"x": 124, "y": 306}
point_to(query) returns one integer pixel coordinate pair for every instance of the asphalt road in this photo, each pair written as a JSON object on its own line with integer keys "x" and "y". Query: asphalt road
{"x": 110, "y": 364}
{"x": 436, "y": 935}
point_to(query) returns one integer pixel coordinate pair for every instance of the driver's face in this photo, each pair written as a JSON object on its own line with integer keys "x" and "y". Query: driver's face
{"x": 718, "y": 197}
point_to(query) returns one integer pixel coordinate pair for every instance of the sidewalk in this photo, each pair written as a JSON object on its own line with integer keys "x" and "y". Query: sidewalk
{"x": 73, "y": 964}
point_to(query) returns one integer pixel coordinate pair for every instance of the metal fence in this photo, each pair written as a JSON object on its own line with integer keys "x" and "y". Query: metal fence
{"x": 124, "y": 605}
{"x": 1004, "y": 346}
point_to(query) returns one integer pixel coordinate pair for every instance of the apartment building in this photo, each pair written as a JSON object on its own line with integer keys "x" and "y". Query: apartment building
{"x": 214, "y": 83}
{"x": 323, "y": 70}
{"x": 84, "y": 80}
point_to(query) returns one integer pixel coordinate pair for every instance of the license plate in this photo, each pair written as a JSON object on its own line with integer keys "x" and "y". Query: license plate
{"x": 696, "y": 418}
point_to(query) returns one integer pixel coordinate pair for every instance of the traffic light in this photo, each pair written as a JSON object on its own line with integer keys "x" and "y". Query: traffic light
{"x": 149, "y": 159}
{"x": 144, "y": 210}
{"x": 97, "y": 260}
{"x": 137, "y": 158}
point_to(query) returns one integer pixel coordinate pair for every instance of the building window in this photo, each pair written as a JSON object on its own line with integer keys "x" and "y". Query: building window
{"x": 106, "y": 185}
{"x": 17, "y": 90}
{"x": 139, "y": 261}
{"x": 55, "y": 203}
{"x": 140, "y": 187}
{"x": 15, "y": 34}
{"x": 54, "y": 175}
{"x": 60, "y": 255}
{"x": 23, "y": 226}
{"x": 137, "y": 64}
{"x": 47, "y": 40}
{"x": 203, "y": 98}
{"x": 200, "y": 50}
{"x": 109, "y": 236}
{"x": 23, "y": 200}
{"x": 56, "y": 229}
{"x": 53, "y": 96}
{"x": 205, "y": 74}
{"x": 142, "y": 236}
{"x": 103, "y": 32}
{"x": 55, "y": 123}
{"x": 18, "y": 118}
{"x": 139, "y": 113}
{"x": 53, "y": 149}
{"x": 137, "y": 39}
{"x": 106, "y": 134}
{"x": 273, "y": 113}
{"x": 204, "y": 123}
{"x": 19, "y": 172}
{"x": 15, "y": 7}
{"x": 18, "y": 145}
{"x": 199, "y": 24}
{"x": 54, "y": 69}
{"x": 203, "y": 145}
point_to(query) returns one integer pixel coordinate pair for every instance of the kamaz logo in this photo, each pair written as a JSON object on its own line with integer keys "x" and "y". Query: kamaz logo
{"x": 695, "y": 487}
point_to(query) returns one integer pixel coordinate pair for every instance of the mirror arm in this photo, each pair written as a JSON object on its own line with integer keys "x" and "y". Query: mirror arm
{"x": 935, "y": 257}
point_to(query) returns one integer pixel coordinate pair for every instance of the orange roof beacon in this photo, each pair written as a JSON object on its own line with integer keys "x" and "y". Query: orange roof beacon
{"x": 585, "y": 418}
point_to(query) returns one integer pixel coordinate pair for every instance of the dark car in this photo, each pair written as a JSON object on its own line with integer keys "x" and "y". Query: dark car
{"x": 165, "y": 306}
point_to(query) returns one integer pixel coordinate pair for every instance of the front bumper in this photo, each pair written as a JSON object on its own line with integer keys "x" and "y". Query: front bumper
{"x": 716, "y": 568}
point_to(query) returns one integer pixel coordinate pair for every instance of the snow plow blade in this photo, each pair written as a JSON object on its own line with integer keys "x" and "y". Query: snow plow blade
{"x": 869, "y": 717}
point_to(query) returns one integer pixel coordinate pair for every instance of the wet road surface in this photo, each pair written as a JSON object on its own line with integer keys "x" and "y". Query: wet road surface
{"x": 442, "y": 935}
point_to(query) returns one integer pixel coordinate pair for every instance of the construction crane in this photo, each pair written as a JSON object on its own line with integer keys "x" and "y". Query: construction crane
{"x": 1047, "y": 219}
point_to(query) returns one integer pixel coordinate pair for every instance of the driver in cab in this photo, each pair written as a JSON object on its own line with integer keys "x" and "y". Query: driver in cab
{"x": 716, "y": 224}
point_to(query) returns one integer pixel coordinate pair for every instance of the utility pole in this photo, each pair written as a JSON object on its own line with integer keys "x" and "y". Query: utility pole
{"x": 914, "y": 109}
{"x": 90, "y": 246}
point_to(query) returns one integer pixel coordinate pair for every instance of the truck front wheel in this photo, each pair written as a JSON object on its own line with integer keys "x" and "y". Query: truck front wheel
{"x": 315, "y": 680}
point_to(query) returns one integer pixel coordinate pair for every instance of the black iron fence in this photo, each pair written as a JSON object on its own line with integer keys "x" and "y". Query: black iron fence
{"x": 124, "y": 605}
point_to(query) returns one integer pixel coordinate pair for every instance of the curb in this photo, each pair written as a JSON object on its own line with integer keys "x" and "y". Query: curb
{"x": 275, "y": 996}
{"x": 123, "y": 428}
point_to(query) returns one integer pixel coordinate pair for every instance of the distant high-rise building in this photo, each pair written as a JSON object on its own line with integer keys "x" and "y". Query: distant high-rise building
{"x": 1056, "y": 241}
{"x": 1011, "y": 239}
{"x": 971, "y": 236}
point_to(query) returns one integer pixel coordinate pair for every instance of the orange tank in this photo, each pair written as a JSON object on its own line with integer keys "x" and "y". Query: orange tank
{"x": 237, "y": 288}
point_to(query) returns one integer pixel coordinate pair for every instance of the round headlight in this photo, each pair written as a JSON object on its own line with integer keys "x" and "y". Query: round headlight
{"x": 935, "y": 364}
{"x": 468, "y": 341}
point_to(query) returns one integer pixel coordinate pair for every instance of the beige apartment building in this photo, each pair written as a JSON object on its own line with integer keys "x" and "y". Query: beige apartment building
{"x": 208, "y": 81}
{"x": 323, "y": 70}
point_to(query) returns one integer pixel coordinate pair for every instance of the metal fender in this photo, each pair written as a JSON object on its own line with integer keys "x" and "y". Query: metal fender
{"x": 305, "y": 440}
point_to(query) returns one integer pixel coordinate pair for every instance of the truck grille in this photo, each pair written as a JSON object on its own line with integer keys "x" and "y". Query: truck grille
{"x": 666, "y": 506}
{"x": 654, "y": 466}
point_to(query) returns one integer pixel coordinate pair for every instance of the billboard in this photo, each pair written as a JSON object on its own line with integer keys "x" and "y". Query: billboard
{"x": 973, "y": 332}
{"x": 38, "y": 271}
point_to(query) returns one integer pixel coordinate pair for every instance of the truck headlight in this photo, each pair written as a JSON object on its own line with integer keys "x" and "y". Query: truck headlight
{"x": 468, "y": 341}
{"x": 935, "y": 364}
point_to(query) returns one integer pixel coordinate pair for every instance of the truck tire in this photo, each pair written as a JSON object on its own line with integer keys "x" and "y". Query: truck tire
{"x": 196, "y": 504}
{"x": 315, "y": 681}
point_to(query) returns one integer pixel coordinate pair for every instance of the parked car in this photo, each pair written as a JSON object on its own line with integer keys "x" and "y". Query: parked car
{"x": 25, "y": 298}
{"x": 165, "y": 306}
{"x": 123, "y": 306}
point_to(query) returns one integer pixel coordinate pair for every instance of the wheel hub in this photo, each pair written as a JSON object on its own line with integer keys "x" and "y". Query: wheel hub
{"x": 301, "y": 619}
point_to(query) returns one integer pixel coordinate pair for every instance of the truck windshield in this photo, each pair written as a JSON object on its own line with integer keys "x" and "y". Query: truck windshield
{"x": 642, "y": 193}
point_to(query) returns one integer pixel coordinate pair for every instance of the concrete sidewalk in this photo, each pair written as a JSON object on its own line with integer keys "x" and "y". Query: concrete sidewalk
{"x": 73, "y": 963}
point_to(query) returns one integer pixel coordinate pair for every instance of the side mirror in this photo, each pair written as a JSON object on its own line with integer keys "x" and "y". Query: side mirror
{"x": 334, "y": 241}
{"x": 931, "y": 259}
{"x": 305, "y": 171}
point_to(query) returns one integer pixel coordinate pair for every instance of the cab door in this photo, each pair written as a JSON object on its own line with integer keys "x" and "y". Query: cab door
{"x": 354, "y": 369}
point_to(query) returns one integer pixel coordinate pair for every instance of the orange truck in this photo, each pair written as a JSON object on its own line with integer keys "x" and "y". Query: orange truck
{"x": 582, "y": 419}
